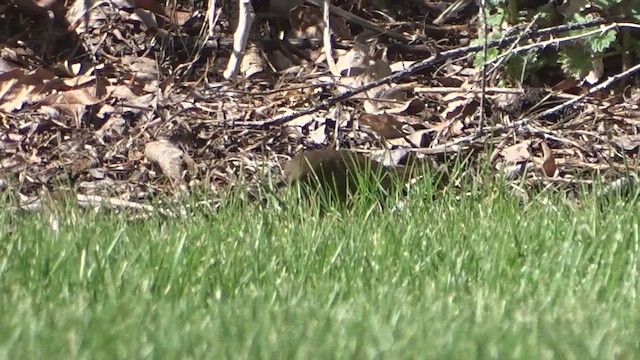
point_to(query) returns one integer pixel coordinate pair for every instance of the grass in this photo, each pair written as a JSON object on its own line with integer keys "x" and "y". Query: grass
{"x": 460, "y": 277}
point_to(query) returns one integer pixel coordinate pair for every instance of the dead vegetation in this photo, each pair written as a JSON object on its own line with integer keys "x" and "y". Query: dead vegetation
{"x": 122, "y": 103}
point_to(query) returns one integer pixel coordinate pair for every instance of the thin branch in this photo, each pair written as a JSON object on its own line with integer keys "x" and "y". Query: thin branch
{"x": 245, "y": 19}
{"x": 415, "y": 68}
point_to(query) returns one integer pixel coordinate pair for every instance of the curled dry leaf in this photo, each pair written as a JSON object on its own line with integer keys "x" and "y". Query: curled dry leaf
{"x": 253, "y": 63}
{"x": 517, "y": 153}
{"x": 170, "y": 158}
{"x": 407, "y": 107}
{"x": 449, "y": 127}
{"x": 385, "y": 125}
{"x": 355, "y": 61}
{"x": 19, "y": 87}
{"x": 459, "y": 103}
{"x": 628, "y": 142}
{"x": 549, "y": 161}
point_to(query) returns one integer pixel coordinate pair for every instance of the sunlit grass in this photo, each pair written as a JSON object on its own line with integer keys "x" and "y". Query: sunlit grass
{"x": 464, "y": 274}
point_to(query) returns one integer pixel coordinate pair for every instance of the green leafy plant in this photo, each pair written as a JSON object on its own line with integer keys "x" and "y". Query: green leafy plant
{"x": 577, "y": 58}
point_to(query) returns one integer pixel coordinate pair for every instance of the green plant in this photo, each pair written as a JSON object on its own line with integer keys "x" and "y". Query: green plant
{"x": 582, "y": 56}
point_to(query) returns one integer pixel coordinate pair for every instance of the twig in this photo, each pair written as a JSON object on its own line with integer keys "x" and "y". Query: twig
{"x": 414, "y": 68}
{"x": 211, "y": 19}
{"x": 451, "y": 10}
{"x": 326, "y": 38}
{"x": 363, "y": 22}
{"x": 483, "y": 75}
{"x": 566, "y": 104}
{"x": 527, "y": 120}
{"x": 449, "y": 89}
{"x": 245, "y": 19}
{"x": 555, "y": 41}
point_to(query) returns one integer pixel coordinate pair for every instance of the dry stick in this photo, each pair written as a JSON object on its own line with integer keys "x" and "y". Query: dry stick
{"x": 464, "y": 90}
{"x": 483, "y": 76}
{"x": 416, "y": 67}
{"x": 211, "y": 19}
{"x": 357, "y": 20}
{"x": 326, "y": 39}
{"x": 605, "y": 84}
{"x": 511, "y": 51}
{"x": 450, "y": 11}
{"x": 245, "y": 19}
{"x": 515, "y": 43}
{"x": 525, "y": 122}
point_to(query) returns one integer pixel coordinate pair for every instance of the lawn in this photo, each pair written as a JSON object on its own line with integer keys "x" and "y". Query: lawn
{"x": 469, "y": 274}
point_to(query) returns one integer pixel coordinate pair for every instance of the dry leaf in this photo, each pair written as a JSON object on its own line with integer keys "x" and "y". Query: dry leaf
{"x": 517, "y": 153}
{"x": 170, "y": 158}
{"x": 355, "y": 61}
{"x": 18, "y": 88}
{"x": 319, "y": 135}
{"x": 408, "y": 107}
{"x": 449, "y": 127}
{"x": 384, "y": 125}
{"x": 253, "y": 63}
{"x": 144, "y": 68}
{"x": 402, "y": 142}
{"x": 549, "y": 161}
{"x": 419, "y": 138}
{"x": 596, "y": 72}
{"x": 628, "y": 142}
{"x": 459, "y": 103}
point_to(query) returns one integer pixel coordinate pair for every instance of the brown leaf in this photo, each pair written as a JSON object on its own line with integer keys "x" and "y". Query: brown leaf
{"x": 449, "y": 127}
{"x": 355, "y": 61}
{"x": 459, "y": 103}
{"x": 408, "y": 107}
{"x": 549, "y": 161}
{"x": 18, "y": 88}
{"x": 628, "y": 142}
{"x": 72, "y": 102}
{"x": 517, "y": 153}
{"x": 385, "y": 125}
{"x": 170, "y": 158}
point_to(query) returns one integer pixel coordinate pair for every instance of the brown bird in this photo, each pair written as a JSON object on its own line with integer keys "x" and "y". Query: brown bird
{"x": 341, "y": 173}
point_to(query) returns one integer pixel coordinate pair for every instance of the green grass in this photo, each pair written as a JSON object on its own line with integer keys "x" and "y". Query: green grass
{"x": 459, "y": 277}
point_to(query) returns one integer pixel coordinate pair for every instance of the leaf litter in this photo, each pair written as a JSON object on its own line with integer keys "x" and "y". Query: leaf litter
{"x": 121, "y": 105}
